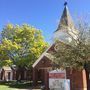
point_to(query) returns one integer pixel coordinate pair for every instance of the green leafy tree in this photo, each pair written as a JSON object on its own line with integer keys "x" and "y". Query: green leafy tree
{"x": 75, "y": 55}
{"x": 21, "y": 45}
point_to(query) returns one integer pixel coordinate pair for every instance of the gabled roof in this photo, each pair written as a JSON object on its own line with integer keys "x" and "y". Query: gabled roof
{"x": 43, "y": 54}
{"x": 66, "y": 20}
{"x": 46, "y": 53}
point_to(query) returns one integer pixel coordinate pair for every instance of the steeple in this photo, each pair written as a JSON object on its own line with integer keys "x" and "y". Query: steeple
{"x": 66, "y": 29}
{"x": 66, "y": 20}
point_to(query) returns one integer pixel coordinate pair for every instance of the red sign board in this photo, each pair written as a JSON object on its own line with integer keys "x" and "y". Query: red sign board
{"x": 57, "y": 75}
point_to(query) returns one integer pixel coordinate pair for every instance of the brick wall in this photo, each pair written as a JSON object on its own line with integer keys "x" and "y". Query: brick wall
{"x": 77, "y": 79}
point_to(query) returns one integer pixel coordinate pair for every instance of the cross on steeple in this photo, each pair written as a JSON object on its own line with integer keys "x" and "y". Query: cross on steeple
{"x": 65, "y": 3}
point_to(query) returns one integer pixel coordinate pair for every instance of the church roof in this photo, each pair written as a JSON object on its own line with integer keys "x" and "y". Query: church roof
{"x": 7, "y": 68}
{"x": 43, "y": 54}
{"x": 46, "y": 53}
{"x": 66, "y": 20}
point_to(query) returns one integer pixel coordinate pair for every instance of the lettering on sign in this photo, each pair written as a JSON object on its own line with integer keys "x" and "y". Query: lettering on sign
{"x": 57, "y": 75}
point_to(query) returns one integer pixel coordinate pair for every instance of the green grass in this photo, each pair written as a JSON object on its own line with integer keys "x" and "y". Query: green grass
{"x": 4, "y": 87}
{"x": 14, "y": 85}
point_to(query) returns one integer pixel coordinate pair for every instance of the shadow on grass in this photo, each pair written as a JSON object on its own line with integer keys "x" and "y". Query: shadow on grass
{"x": 19, "y": 85}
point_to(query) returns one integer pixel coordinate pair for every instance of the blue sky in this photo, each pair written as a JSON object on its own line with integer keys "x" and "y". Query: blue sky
{"x": 42, "y": 14}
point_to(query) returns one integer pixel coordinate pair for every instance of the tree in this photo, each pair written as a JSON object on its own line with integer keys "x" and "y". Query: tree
{"x": 21, "y": 45}
{"x": 75, "y": 55}
{"x": 5, "y": 47}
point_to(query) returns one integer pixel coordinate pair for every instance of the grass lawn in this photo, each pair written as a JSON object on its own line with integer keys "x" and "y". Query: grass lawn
{"x": 14, "y": 85}
{"x": 4, "y": 87}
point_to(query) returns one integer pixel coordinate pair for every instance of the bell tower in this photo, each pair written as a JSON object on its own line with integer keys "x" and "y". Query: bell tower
{"x": 66, "y": 29}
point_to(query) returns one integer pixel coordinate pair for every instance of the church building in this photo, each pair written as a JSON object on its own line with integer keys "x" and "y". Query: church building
{"x": 79, "y": 80}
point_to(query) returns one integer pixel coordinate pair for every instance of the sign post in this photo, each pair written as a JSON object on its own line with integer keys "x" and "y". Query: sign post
{"x": 58, "y": 81}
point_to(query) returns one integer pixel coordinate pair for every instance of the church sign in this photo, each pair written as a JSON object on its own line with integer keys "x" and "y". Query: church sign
{"x": 58, "y": 81}
{"x": 57, "y": 75}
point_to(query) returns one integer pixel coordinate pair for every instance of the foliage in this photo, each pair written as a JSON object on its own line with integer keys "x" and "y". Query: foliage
{"x": 6, "y": 63}
{"x": 21, "y": 44}
{"x": 76, "y": 55}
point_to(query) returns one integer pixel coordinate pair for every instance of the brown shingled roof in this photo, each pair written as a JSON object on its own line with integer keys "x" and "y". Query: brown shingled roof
{"x": 66, "y": 20}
